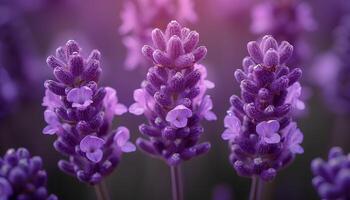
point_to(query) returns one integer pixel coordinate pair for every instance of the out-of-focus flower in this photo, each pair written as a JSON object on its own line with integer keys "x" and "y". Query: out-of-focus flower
{"x": 8, "y": 92}
{"x": 262, "y": 137}
{"x": 80, "y": 113}
{"x": 111, "y": 102}
{"x": 332, "y": 177}
{"x": 173, "y": 96}
{"x": 22, "y": 176}
{"x": 139, "y": 17}
{"x": 285, "y": 20}
{"x": 332, "y": 71}
{"x": 293, "y": 97}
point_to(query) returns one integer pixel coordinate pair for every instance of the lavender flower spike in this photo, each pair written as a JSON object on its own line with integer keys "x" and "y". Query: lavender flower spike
{"x": 22, "y": 176}
{"x": 173, "y": 96}
{"x": 259, "y": 128}
{"x": 139, "y": 17}
{"x": 80, "y": 114}
{"x": 332, "y": 177}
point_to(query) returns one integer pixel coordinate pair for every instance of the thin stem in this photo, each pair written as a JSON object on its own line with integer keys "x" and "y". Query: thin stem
{"x": 255, "y": 189}
{"x": 101, "y": 191}
{"x": 176, "y": 182}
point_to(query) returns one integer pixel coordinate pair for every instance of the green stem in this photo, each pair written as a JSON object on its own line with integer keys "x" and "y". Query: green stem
{"x": 176, "y": 182}
{"x": 255, "y": 189}
{"x": 101, "y": 191}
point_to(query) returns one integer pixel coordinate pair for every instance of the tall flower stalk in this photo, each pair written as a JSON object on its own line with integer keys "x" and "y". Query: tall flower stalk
{"x": 140, "y": 17}
{"x": 262, "y": 136}
{"x": 79, "y": 113}
{"x": 173, "y": 99}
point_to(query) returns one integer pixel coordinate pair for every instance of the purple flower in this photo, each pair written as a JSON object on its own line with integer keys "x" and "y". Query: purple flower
{"x": 142, "y": 102}
{"x": 140, "y": 17}
{"x": 233, "y": 127}
{"x": 293, "y": 96}
{"x": 80, "y": 113}
{"x": 332, "y": 178}
{"x": 178, "y": 116}
{"x": 51, "y": 100}
{"x": 121, "y": 139}
{"x": 267, "y": 130}
{"x": 54, "y": 125}
{"x": 22, "y": 176}
{"x": 205, "y": 108}
{"x": 110, "y": 102}
{"x": 92, "y": 147}
{"x": 172, "y": 97}
{"x": 80, "y": 97}
{"x": 294, "y": 137}
{"x": 259, "y": 128}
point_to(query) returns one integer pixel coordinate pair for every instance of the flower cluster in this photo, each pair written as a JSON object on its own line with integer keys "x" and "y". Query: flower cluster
{"x": 332, "y": 71}
{"x": 261, "y": 134}
{"x": 285, "y": 20}
{"x": 141, "y": 16}
{"x": 173, "y": 96}
{"x": 22, "y": 176}
{"x": 80, "y": 114}
{"x": 332, "y": 177}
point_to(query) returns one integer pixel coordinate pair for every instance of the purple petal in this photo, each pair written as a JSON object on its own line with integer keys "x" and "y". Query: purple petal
{"x": 51, "y": 100}
{"x": 293, "y": 96}
{"x": 80, "y": 97}
{"x": 120, "y": 109}
{"x": 179, "y": 116}
{"x": 95, "y": 156}
{"x": 110, "y": 102}
{"x": 267, "y": 128}
{"x": 273, "y": 139}
{"x": 122, "y": 136}
{"x": 296, "y": 149}
{"x": 233, "y": 123}
{"x": 83, "y": 105}
{"x": 91, "y": 143}
{"x": 136, "y": 109}
{"x": 50, "y": 130}
{"x": 51, "y": 117}
{"x": 128, "y": 147}
{"x": 139, "y": 106}
{"x": 210, "y": 116}
{"x": 228, "y": 135}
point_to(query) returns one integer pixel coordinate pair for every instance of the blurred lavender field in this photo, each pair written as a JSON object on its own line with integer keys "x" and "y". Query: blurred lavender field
{"x": 30, "y": 31}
